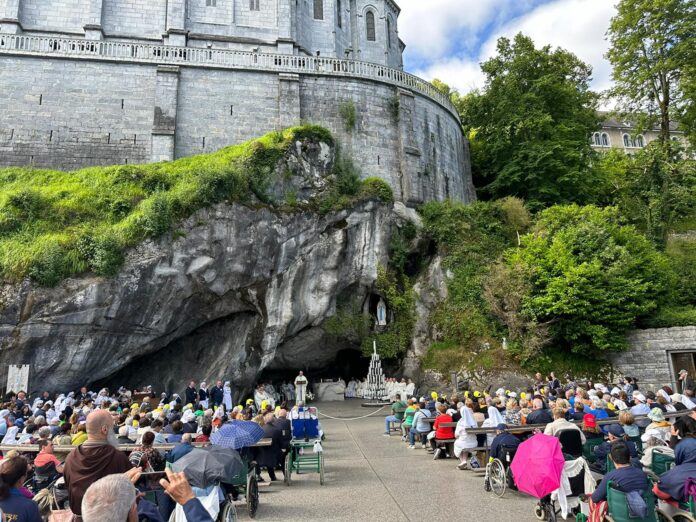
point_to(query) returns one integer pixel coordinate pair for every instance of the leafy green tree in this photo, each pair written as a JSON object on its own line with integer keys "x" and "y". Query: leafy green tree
{"x": 652, "y": 41}
{"x": 590, "y": 277}
{"x": 654, "y": 189}
{"x": 531, "y": 125}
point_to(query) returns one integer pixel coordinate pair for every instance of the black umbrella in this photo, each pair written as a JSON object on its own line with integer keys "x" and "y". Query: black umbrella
{"x": 207, "y": 466}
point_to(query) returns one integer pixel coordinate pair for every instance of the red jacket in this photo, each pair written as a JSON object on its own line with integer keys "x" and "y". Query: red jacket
{"x": 443, "y": 433}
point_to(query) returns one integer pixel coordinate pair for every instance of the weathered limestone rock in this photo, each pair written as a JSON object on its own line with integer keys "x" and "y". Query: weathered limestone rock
{"x": 218, "y": 299}
{"x": 430, "y": 289}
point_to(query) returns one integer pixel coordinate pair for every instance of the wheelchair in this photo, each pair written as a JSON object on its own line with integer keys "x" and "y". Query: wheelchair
{"x": 618, "y": 507}
{"x": 498, "y": 476}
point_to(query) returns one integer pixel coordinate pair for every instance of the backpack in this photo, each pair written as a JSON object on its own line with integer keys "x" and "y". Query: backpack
{"x": 689, "y": 489}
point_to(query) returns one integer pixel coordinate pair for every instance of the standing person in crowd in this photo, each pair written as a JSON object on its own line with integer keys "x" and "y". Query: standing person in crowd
{"x": 554, "y": 383}
{"x": 96, "y": 458}
{"x": 301, "y": 388}
{"x": 15, "y": 506}
{"x": 203, "y": 395}
{"x": 217, "y": 394}
{"x": 191, "y": 393}
{"x": 686, "y": 382}
{"x": 227, "y": 396}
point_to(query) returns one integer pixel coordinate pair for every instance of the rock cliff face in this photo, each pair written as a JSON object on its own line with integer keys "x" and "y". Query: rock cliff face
{"x": 234, "y": 290}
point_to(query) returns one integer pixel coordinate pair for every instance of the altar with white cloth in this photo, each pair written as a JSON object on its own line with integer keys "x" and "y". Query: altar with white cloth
{"x": 330, "y": 390}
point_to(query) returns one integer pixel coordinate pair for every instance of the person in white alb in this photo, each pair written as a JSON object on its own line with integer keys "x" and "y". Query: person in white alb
{"x": 300, "y": 388}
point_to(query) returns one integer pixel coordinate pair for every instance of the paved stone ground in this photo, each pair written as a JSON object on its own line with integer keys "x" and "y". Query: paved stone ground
{"x": 371, "y": 477}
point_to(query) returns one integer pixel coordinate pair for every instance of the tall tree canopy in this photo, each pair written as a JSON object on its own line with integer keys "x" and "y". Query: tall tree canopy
{"x": 530, "y": 126}
{"x": 652, "y": 44}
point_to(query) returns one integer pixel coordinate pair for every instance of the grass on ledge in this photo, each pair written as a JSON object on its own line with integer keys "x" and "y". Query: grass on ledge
{"x": 56, "y": 224}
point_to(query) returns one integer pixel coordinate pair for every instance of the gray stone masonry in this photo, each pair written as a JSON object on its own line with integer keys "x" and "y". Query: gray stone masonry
{"x": 649, "y": 356}
{"x": 98, "y": 82}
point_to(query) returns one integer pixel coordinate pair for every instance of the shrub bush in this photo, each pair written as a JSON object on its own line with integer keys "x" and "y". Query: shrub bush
{"x": 56, "y": 224}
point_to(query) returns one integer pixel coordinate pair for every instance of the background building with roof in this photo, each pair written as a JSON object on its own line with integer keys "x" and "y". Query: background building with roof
{"x": 621, "y": 134}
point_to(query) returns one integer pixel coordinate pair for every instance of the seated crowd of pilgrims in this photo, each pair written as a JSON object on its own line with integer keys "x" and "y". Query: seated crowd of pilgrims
{"x": 77, "y": 418}
{"x": 638, "y": 417}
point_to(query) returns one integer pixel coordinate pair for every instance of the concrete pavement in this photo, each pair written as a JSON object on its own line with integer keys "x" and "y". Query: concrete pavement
{"x": 374, "y": 478}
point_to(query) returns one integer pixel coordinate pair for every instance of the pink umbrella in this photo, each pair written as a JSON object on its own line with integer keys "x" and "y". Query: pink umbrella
{"x": 537, "y": 465}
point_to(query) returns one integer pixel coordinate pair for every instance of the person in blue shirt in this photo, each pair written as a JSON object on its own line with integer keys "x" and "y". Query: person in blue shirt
{"x": 502, "y": 439}
{"x": 625, "y": 478}
{"x": 180, "y": 450}
{"x": 615, "y": 434}
{"x": 15, "y": 506}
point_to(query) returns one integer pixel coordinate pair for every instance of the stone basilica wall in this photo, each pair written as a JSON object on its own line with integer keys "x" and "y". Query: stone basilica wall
{"x": 649, "y": 357}
{"x": 66, "y": 114}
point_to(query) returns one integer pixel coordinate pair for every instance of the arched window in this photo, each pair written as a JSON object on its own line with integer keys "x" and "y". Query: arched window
{"x": 339, "y": 14}
{"x": 626, "y": 140}
{"x": 318, "y": 9}
{"x": 388, "y": 33}
{"x": 370, "y": 25}
{"x": 640, "y": 142}
{"x": 596, "y": 139}
{"x": 254, "y": 5}
{"x": 605, "y": 139}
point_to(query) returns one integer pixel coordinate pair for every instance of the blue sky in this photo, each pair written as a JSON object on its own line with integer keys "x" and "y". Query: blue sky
{"x": 447, "y": 39}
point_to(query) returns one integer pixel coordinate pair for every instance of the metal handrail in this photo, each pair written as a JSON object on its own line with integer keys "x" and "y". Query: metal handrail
{"x": 18, "y": 44}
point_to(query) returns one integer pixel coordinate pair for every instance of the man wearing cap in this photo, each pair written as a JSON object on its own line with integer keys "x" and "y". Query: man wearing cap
{"x": 686, "y": 382}
{"x": 615, "y": 435}
{"x": 502, "y": 439}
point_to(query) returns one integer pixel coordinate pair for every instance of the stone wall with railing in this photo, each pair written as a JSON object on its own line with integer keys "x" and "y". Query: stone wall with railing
{"x": 71, "y": 103}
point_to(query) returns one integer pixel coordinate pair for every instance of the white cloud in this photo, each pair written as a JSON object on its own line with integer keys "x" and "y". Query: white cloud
{"x": 463, "y": 74}
{"x": 576, "y": 25}
{"x": 431, "y": 28}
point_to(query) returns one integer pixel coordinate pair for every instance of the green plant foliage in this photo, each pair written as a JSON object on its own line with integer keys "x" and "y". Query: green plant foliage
{"x": 376, "y": 188}
{"x": 349, "y": 323}
{"x": 591, "y": 277}
{"x": 670, "y": 316}
{"x": 653, "y": 53}
{"x": 394, "y": 107}
{"x": 56, "y": 224}
{"x": 531, "y": 125}
{"x": 348, "y": 114}
{"x": 470, "y": 238}
{"x": 401, "y": 300}
{"x": 681, "y": 252}
{"x": 655, "y": 189}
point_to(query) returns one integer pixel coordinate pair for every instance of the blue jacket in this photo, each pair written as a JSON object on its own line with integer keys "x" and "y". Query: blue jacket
{"x": 504, "y": 439}
{"x": 673, "y": 481}
{"x": 195, "y": 512}
{"x": 685, "y": 451}
{"x": 179, "y": 451}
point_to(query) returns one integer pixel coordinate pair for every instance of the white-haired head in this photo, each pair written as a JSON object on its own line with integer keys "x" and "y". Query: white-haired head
{"x": 110, "y": 499}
